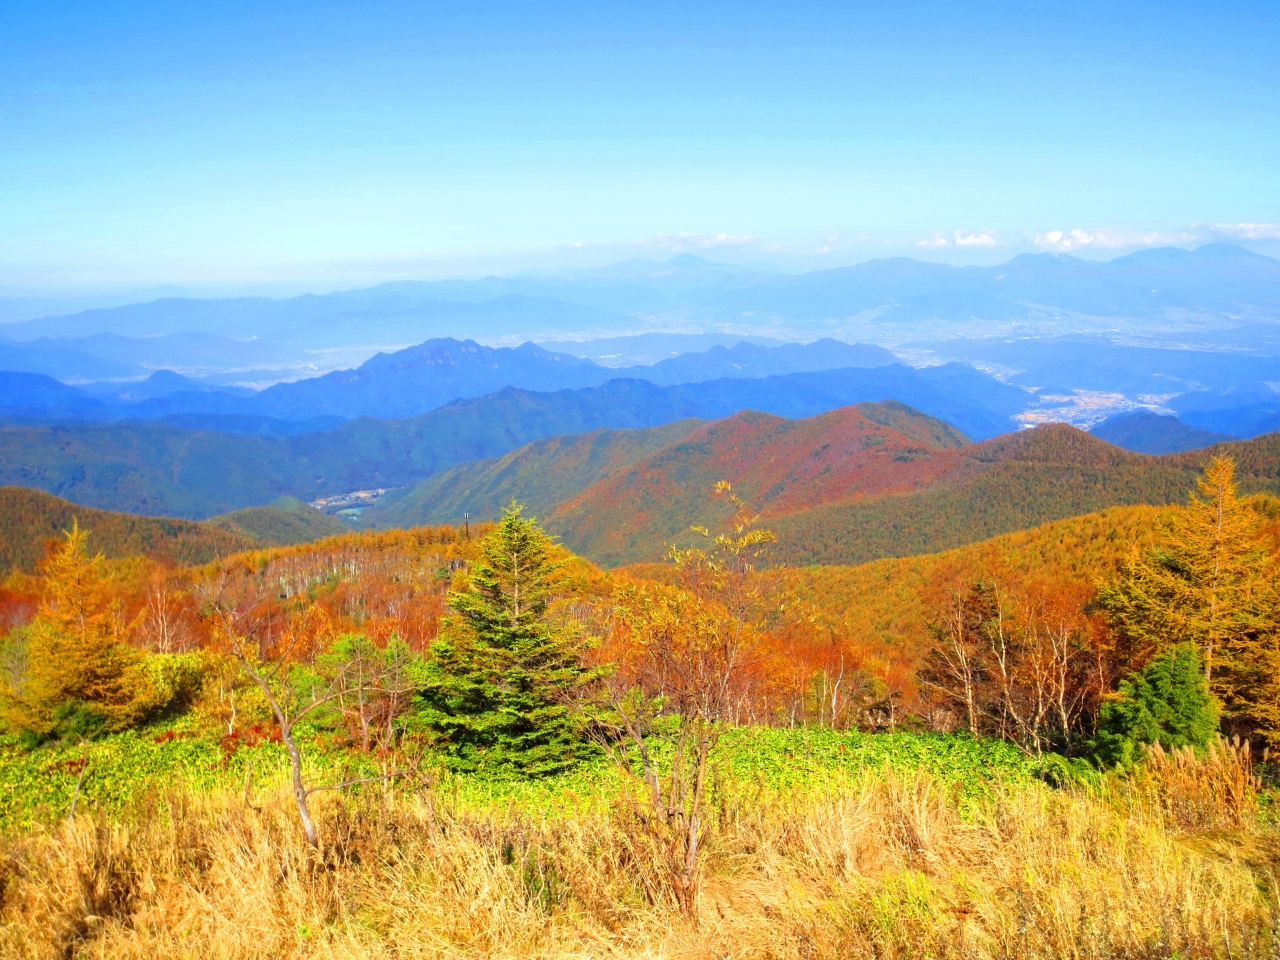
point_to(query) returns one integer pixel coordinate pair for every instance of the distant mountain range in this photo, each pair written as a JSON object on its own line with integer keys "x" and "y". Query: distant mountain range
{"x": 405, "y": 383}
{"x": 1216, "y": 283}
{"x": 160, "y": 469}
{"x": 848, "y": 486}
{"x": 868, "y": 481}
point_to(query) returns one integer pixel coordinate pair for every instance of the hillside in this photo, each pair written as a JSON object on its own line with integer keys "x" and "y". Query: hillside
{"x": 29, "y": 518}
{"x": 779, "y": 466}
{"x": 881, "y": 608}
{"x": 157, "y": 469}
{"x": 284, "y": 523}
{"x": 916, "y": 502}
{"x": 540, "y": 475}
{"x": 1145, "y": 432}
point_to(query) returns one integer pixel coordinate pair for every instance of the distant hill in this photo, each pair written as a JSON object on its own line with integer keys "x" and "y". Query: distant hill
{"x": 1145, "y": 432}
{"x": 418, "y": 379}
{"x": 1025, "y": 479}
{"x": 30, "y": 518}
{"x": 539, "y": 475}
{"x": 156, "y": 469}
{"x": 284, "y": 523}
{"x": 37, "y": 395}
{"x": 643, "y": 349}
{"x": 1230, "y": 415}
{"x": 754, "y": 360}
{"x": 778, "y": 466}
{"x": 831, "y": 501}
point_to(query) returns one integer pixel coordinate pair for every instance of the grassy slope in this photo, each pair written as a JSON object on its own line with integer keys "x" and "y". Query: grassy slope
{"x": 539, "y": 475}
{"x": 285, "y": 522}
{"x": 28, "y": 518}
{"x": 777, "y": 465}
{"x": 36, "y": 786}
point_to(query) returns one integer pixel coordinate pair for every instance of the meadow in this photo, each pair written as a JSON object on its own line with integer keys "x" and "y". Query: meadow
{"x": 820, "y": 844}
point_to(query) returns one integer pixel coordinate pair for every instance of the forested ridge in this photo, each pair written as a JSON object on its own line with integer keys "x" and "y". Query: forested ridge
{"x": 29, "y": 519}
{"x": 900, "y": 499}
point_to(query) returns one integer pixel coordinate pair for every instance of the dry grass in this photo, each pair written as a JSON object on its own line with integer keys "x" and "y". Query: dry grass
{"x": 884, "y": 867}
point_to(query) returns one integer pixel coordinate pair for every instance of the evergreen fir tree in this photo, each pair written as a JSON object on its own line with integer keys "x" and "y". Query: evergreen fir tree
{"x": 502, "y": 673}
{"x": 1166, "y": 702}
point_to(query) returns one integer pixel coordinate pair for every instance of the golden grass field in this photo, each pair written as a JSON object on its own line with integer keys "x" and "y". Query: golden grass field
{"x": 1173, "y": 860}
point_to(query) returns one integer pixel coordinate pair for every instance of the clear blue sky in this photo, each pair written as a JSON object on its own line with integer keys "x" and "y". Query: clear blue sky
{"x": 327, "y": 144}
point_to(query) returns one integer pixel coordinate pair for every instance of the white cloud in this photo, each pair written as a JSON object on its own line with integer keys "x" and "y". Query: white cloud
{"x": 1064, "y": 241}
{"x": 1248, "y": 231}
{"x": 937, "y": 240}
{"x": 961, "y": 238}
{"x": 679, "y": 242}
{"x": 983, "y": 238}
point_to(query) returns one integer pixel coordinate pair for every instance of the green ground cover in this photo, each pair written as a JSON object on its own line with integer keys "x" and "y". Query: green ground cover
{"x": 140, "y": 765}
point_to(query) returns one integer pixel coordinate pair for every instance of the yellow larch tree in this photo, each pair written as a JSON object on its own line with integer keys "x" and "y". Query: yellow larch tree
{"x": 1209, "y": 583}
{"x": 79, "y": 673}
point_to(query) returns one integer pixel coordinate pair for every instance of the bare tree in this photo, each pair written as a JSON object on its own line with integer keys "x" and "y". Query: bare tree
{"x": 292, "y": 694}
{"x": 957, "y": 665}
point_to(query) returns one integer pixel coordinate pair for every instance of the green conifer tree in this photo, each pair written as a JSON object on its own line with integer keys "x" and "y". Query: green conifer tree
{"x": 501, "y": 677}
{"x": 1166, "y": 702}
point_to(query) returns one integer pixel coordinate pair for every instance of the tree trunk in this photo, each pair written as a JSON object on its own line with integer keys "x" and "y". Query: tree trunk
{"x": 299, "y": 789}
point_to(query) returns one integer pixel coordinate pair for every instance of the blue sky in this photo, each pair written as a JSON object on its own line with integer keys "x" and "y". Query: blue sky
{"x": 325, "y": 145}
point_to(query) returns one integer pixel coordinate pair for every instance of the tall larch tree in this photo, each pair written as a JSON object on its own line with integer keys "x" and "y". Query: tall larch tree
{"x": 1207, "y": 584}
{"x": 80, "y": 675}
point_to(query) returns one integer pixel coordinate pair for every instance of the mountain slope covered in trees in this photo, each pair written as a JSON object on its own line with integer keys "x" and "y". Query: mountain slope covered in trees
{"x": 882, "y": 609}
{"x": 777, "y": 465}
{"x": 30, "y": 518}
{"x": 159, "y": 469}
{"x": 540, "y": 475}
{"x": 286, "y": 522}
{"x": 927, "y": 499}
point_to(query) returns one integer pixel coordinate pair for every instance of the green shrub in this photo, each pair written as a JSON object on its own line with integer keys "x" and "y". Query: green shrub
{"x": 1166, "y": 702}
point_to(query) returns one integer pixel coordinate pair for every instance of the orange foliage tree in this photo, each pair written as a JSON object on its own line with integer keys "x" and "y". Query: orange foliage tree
{"x": 687, "y": 659}
{"x": 79, "y": 675}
